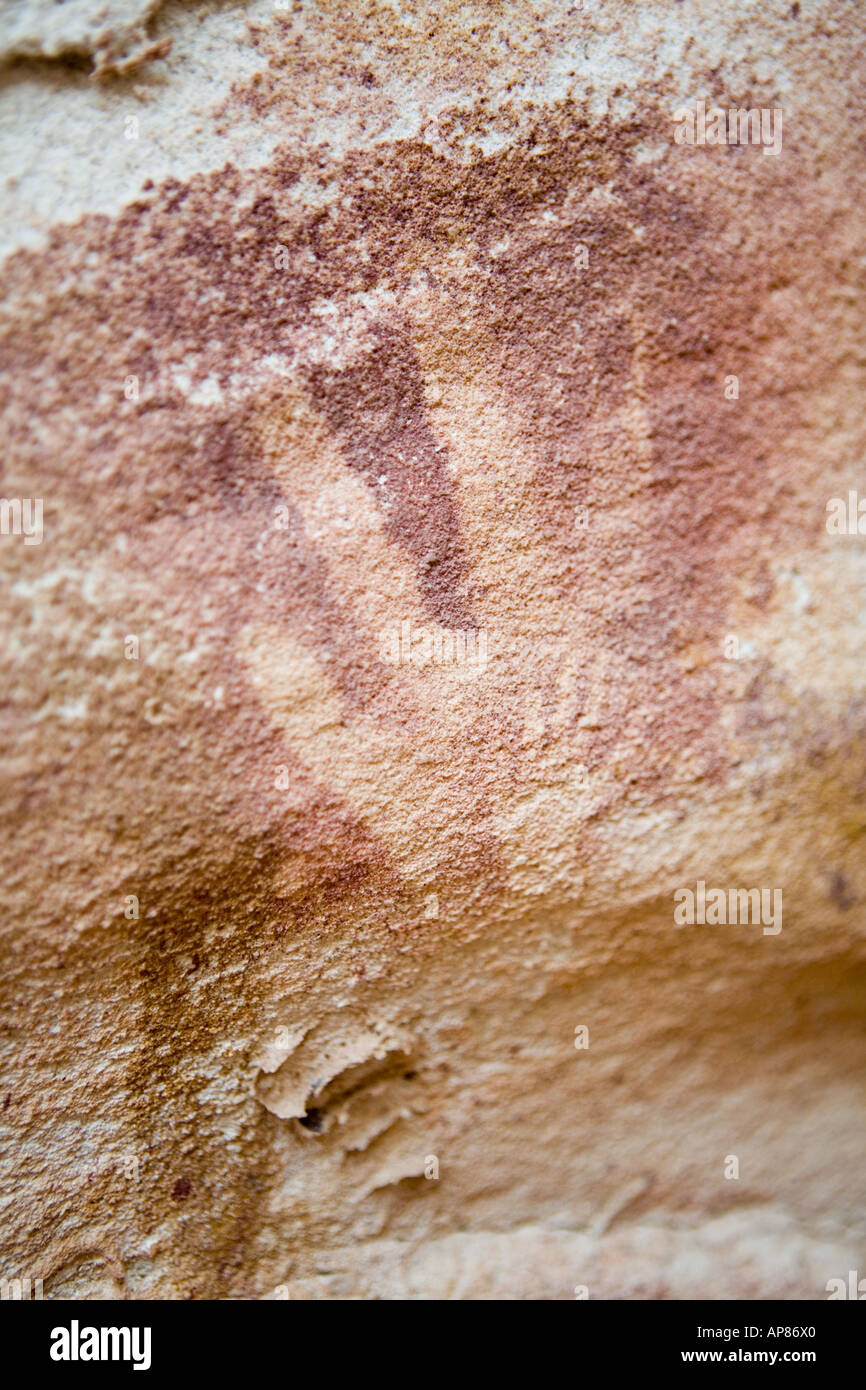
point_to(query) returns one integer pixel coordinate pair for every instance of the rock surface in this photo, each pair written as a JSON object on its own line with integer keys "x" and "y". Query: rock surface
{"x": 317, "y": 323}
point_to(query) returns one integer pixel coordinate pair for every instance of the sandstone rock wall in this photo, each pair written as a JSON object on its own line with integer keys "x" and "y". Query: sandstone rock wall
{"x": 325, "y": 320}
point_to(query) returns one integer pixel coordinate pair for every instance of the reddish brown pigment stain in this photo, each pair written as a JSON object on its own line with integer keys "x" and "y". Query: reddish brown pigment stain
{"x": 401, "y": 451}
{"x": 190, "y": 272}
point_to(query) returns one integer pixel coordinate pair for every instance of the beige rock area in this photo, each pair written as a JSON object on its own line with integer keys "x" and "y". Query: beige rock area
{"x": 434, "y": 581}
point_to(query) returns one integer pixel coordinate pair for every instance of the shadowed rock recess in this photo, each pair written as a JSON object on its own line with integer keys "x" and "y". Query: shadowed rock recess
{"x": 420, "y": 608}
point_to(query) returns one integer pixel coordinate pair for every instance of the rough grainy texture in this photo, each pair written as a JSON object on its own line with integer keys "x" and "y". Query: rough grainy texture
{"x": 313, "y": 350}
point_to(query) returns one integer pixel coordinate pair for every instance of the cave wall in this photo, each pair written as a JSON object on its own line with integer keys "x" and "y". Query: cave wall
{"x": 336, "y": 339}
